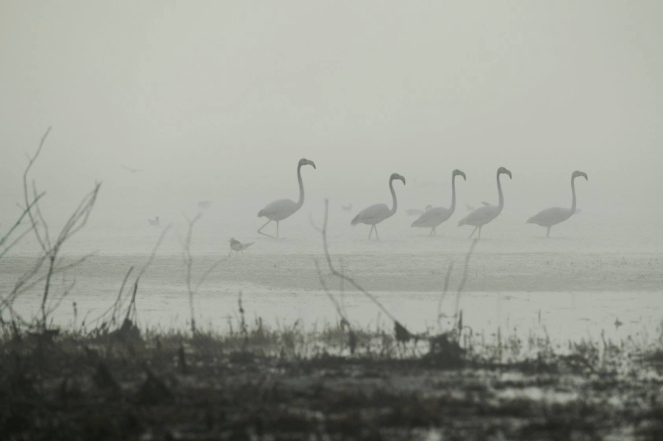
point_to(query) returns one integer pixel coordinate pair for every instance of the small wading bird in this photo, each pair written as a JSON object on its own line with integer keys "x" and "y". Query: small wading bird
{"x": 284, "y": 208}
{"x": 375, "y": 214}
{"x": 237, "y": 246}
{"x": 482, "y": 215}
{"x": 416, "y": 211}
{"x": 435, "y": 216}
{"x": 347, "y": 207}
{"x": 154, "y": 222}
{"x": 552, "y": 216}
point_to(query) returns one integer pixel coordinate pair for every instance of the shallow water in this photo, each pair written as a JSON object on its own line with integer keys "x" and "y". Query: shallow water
{"x": 590, "y": 273}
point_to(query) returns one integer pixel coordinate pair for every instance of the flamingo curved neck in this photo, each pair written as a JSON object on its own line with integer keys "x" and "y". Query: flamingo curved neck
{"x": 300, "y": 202}
{"x": 393, "y": 197}
{"x": 453, "y": 194}
{"x": 499, "y": 191}
{"x": 573, "y": 191}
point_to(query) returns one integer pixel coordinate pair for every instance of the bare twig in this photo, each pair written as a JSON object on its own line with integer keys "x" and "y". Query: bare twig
{"x": 312, "y": 222}
{"x": 444, "y": 293}
{"x": 343, "y": 276}
{"x": 337, "y": 306}
{"x": 39, "y": 226}
{"x": 188, "y": 264}
{"x": 16, "y": 225}
{"x": 464, "y": 279}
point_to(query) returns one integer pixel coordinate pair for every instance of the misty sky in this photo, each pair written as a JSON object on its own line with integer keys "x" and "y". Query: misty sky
{"x": 219, "y": 100}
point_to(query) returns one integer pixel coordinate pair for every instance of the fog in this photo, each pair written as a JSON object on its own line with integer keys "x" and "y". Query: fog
{"x": 218, "y": 101}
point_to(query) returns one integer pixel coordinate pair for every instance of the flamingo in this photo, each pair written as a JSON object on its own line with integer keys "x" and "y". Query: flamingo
{"x": 553, "y": 216}
{"x": 482, "y": 215}
{"x": 375, "y": 214}
{"x": 284, "y": 208}
{"x": 435, "y": 216}
{"x": 237, "y": 246}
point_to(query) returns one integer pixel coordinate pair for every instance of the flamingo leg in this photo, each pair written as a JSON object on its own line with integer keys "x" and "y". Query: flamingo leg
{"x": 475, "y": 228}
{"x": 231, "y": 251}
{"x": 376, "y": 233}
{"x": 370, "y": 232}
{"x": 277, "y": 229}
{"x": 480, "y": 232}
{"x": 548, "y": 233}
{"x": 265, "y": 234}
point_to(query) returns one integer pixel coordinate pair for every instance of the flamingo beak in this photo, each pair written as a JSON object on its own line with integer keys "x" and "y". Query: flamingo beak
{"x": 508, "y": 173}
{"x": 463, "y": 175}
{"x": 313, "y": 164}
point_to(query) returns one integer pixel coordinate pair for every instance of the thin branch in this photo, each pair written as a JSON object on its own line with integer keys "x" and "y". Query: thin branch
{"x": 28, "y": 204}
{"x": 444, "y": 293}
{"x": 343, "y": 276}
{"x": 315, "y": 227}
{"x": 19, "y": 221}
{"x": 329, "y": 294}
{"x": 464, "y": 279}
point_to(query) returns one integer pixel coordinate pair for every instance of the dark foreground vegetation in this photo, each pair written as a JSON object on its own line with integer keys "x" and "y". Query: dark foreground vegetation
{"x": 260, "y": 384}
{"x": 110, "y": 380}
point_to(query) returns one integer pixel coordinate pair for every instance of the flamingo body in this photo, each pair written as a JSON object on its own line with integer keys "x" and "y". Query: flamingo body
{"x": 550, "y": 216}
{"x": 279, "y": 210}
{"x": 372, "y": 215}
{"x": 481, "y": 216}
{"x": 433, "y": 217}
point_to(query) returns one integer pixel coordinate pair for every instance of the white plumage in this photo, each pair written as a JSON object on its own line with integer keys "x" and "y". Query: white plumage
{"x": 375, "y": 214}
{"x": 552, "y": 216}
{"x": 482, "y": 215}
{"x": 284, "y": 208}
{"x": 435, "y": 216}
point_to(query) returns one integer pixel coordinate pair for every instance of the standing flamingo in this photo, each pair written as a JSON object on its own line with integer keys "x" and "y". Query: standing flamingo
{"x": 435, "y": 216}
{"x": 553, "y": 216}
{"x": 375, "y": 214}
{"x": 284, "y": 208}
{"x": 482, "y": 215}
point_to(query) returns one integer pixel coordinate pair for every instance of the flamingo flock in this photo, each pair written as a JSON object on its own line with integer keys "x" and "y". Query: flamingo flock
{"x": 431, "y": 218}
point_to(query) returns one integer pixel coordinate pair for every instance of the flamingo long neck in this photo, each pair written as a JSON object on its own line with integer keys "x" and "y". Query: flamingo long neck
{"x": 453, "y": 194}
{"x": 393, "y": 196}
{"x": 499, "y": 191}
{"x": 573, "y": 191}
{"x": 300, "y": 202}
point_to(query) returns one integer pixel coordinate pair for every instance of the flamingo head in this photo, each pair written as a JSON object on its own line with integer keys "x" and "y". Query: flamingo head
{"x": 505, "y": 171}
{"x": 396, "y": 176}
{"x": 458, "y": 173}
{"x": 579, "y": 173}
{"x": 305, "y": 161}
